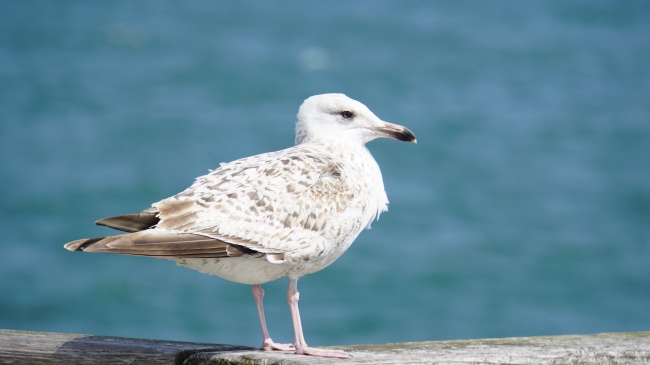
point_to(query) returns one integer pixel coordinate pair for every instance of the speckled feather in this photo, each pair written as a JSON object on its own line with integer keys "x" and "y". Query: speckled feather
{"x": 278, "y": 202}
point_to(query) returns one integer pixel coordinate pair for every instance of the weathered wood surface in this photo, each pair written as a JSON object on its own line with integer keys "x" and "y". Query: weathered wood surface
{"x": 20, "y": 347}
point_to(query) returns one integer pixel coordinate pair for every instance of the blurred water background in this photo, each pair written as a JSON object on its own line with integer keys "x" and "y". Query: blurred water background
{"x": 523, "y": 210}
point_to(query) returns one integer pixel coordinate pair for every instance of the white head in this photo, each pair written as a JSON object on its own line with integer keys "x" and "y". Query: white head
{"x": 336, "y": 117}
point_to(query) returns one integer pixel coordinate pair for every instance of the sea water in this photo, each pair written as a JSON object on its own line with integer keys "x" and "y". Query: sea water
{"x": 523, "y": 210}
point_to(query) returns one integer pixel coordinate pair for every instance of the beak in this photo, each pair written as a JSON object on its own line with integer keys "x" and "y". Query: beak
{"x": 397, "y": 132}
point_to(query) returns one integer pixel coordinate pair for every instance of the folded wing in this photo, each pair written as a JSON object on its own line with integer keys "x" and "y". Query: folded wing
{"x": 266, "y": 204}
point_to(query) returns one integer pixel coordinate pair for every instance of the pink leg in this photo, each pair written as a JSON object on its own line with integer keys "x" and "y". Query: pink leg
{"x": 301, "y": 345}
{"x": 267, "y": 344}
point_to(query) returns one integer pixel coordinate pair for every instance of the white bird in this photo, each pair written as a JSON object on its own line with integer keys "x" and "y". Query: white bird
{"x": 286, "y": 213}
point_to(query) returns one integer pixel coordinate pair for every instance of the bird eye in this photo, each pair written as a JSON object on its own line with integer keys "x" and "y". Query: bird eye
{"x": 347, "y": 114}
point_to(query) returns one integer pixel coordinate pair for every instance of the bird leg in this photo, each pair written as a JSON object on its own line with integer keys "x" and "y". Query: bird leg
{"x": 267, "y": 342}
{"x": 300, "y": 344}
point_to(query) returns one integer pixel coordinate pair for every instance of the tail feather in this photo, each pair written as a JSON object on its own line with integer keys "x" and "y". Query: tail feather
{"x": 157, "y": 244}
{"x": 144, "y": 240}
{"x": 80, "y": 245}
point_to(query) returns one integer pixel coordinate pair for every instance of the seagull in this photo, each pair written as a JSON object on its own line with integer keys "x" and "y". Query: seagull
{"x": 288, "y": 213}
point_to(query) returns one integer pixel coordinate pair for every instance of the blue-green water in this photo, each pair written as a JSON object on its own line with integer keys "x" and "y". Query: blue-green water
{"x": 524, "y": 209}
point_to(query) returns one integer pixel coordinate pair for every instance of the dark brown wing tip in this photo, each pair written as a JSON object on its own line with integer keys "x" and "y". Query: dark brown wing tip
{"x": 131, "y": 222}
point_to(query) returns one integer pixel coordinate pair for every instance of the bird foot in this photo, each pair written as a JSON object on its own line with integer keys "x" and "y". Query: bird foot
{"x": 312, "y": 351}
{"x": 269, "y": 345}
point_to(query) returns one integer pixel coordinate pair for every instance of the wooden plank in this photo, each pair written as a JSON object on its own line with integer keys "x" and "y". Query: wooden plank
{"x": 20, "y": 347}
{"x": 600, "y": 349}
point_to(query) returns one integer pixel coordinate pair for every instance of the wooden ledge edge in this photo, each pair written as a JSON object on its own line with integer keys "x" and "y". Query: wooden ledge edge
{"x": 24, "y": 347}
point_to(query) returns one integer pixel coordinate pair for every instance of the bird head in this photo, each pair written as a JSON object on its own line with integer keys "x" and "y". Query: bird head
{"x": 336, "y": 117}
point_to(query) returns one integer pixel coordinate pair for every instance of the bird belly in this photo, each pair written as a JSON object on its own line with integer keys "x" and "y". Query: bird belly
{"x": 245, "y": 270}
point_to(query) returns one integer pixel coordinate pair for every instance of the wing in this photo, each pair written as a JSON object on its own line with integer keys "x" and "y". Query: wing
{"x": 132, "y": 222}
{"x": 271, "y": 203}
{"x": 159, "y": 243}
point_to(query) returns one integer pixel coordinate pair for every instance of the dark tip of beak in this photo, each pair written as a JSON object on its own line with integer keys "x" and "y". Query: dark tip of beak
{"x": 406, "y": 136}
